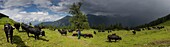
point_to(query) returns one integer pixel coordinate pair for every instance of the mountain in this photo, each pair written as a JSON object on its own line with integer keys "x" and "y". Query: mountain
{"x": 92, "y": 19}
{"x": 160, "y": 21}
{"x": 62, "y": 22}
{"x": 4, "y": 19}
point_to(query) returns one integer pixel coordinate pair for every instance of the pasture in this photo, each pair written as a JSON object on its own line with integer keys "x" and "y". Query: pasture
{"x": 144, "y": 38}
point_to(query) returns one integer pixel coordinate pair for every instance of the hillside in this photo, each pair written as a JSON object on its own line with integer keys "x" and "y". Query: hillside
{"x": 160, "y": 21}
{"x": 62, "y": 22}
{"x": 4, "y": 19}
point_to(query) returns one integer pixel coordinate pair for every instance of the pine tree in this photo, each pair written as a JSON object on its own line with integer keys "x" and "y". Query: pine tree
{"x": 78, "y": 20}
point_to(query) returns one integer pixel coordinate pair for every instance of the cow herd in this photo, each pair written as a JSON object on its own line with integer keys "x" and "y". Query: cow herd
{"x": 26, "y": 28}
{"x": 37, "y": 31}
{"x": 64, "y": 32}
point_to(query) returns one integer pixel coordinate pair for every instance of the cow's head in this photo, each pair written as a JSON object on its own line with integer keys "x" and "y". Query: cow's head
{"x": 42, "y": 33}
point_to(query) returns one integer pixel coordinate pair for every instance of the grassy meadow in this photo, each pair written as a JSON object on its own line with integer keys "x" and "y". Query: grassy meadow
{"x": 144, "y": 38}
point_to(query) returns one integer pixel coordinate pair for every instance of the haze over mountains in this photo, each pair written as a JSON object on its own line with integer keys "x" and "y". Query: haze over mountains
{"x": 97, "y": 20}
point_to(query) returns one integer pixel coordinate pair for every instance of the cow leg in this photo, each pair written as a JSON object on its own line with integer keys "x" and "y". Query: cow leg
{"x": 35, "y": 36}
{"x": 115, "y": 40}
{"x": 109, "y": 40}
{"x": 7, "y": 36}
{"x": 11, "y": 38}
{"x": 28, "y": 34}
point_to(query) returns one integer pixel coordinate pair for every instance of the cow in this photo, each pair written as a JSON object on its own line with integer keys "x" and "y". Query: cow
{"x": 94, "y": 32}
{"x": 62, "y": 31}
{"x": 99, "y": 31}
{"x": 134, "y": 32}
{"x": 113, "y": 37}
{"x": 103, "y": 31}
{"x": 75, "y": 34}
{"x": 148, "y": 28}
{"x": 25, "y": 26}
{"x": 9, "y": 32}
{"x": 35, "y": 31}
{"x": 17, "y": 26}
{"x": 160, "y": 27}
{"x": 109, "y": 31}
{"x": 70, "y": 31}
{"x": 87, "y": 35}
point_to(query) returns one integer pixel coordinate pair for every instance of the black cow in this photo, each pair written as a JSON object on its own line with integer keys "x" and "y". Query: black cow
{"x": 25, "y": 26}
{"x": 113, "y": 37}
{"x": 87, "y": 35}
{"x": 103, "y": 30}
{"x": 70, "y": 31}
{"x": 35, "y": 31}
{"x": 160, "y": 27}
{"x": 9, "y": 32}
{"x": 75, "y": 34}
{"x": 99, "y": 31}
{"x": 94, "y": 32}
{"x": 17, "y": 26}
{"x": 109, "y": 31}
{"x": 62, "y": 31}
{"x": 134, "y": 32}
{"x": 148, "y": 28}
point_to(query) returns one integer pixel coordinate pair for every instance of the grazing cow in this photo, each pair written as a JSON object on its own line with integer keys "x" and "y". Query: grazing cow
{"x": 109, "y": 31}
{"x": 35, "y": 31}
{"x": 103, "y": 31}
{"x": 75, "y": 34}
{"x": 87, "y": 35}
{"x": 94, "y": 32}
{"x": 99, "y": 31}
{"x": 25, "y": 26}
{"x": 143, "y": 29}
{"x": 62, "y": 31}
{"x": 113, "y": 37}
{"x": 17, "y": 26}
{"x": 137, "y": 29}
{"x": 9, "y": 32}
{"x": 148, "y": 28}
{"x": 134, "y": 32}
{"x": 70, "y": 31}
{"x": 160, "y": 27}
{"x": 154, "y": 27}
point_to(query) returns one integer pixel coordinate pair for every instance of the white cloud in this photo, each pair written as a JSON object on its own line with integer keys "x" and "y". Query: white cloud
{"x": 42, "y": 3}
{"x": 26, "y": 17}
{"x": 18, "y": 14}
{"x": 63, "y": 6}
{"x": 11, "y": 3}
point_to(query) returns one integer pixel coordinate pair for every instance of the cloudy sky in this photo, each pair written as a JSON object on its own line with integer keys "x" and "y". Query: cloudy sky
{"x": 134, "y": 12}
{"x": 37, "y": 11}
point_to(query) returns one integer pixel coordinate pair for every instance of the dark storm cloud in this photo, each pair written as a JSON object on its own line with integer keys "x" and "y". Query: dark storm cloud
{"x": 137, "y": 10}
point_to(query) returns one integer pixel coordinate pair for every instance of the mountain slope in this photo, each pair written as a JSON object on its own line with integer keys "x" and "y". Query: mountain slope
{"x": 4, "y": 19}
{"x": 92, "y": 19}
{"x": 160, "y": 21}
{"x": 62, "y": 22}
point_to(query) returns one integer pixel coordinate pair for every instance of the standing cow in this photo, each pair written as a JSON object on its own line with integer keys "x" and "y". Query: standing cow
{"x": 35, "y": 31}
{"x": 9, "y": 32}
{"x": 17, "y": 26}
{"x": 113, "y": 37}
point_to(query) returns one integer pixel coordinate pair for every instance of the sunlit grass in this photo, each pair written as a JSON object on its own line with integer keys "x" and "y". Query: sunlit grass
{"x": 55, "y": 39}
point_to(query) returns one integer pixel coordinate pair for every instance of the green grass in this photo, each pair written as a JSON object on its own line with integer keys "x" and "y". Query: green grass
{"x": 3, "y": 20}
{"x": 144, "y": 38}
